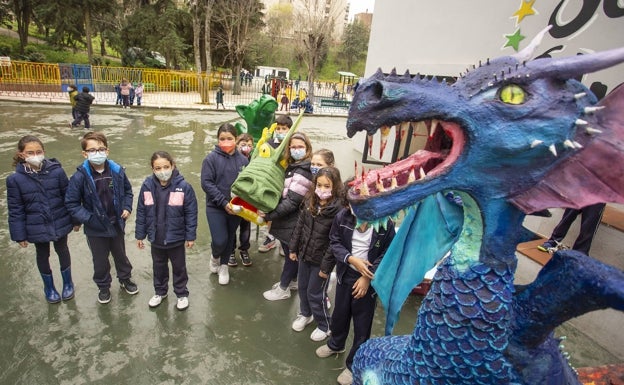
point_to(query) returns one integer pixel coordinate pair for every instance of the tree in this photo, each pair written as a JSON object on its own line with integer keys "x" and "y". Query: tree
{"x": 201, "y": 13}
{"x": 354, "y": 44}
{"x": 316, "y": 20}
{"x": 235, "y": 23}
{"x": 23, "y": 12}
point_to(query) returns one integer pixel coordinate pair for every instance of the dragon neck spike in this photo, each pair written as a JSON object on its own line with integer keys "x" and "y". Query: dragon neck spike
{"x": 529, "y": 50}
{"x": 407, "y": 74}
{"x": 479, "y": 63}
{"x": 573, "y": 66}
{"x": 379, "y": 75}
{"x": 393, "y": 73}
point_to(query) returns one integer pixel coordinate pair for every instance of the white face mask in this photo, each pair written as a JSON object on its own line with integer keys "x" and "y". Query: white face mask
{"x": 35, "y": 160}
{"x": 97, "y": 158}
{"x": 164, "y": 175}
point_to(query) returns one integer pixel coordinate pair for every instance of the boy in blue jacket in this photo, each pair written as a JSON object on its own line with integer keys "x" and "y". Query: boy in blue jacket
{"x": 99, "y": 196}
{"x": 356, "y": 253}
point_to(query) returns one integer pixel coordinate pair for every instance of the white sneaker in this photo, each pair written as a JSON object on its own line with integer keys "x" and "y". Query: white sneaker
{"x": 214, "y": 264}
{"x": 182, "y": 303}
{"x": 156, "y": 300}
{"x": 345, "y": 377}
{"x": 318, "y": 335}
{"x": 276, "y": 293}
{"x": 292, "y": 285}
{"x": 224, "y": 275}
{"x": 325, "y": 351}
{"x": 301, "y": 322}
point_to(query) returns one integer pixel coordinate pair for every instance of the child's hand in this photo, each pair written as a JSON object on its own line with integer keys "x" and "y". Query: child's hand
{"x": 228, "y": 209}
{"x": 140, "y": 244}
{"x": 323, "y": 275}
{"x": 292, "y": 256}
{"x": 77, "y": 227}
{"x": 125, "y": 214}
{"x": 190, "y": 244}
{"x": 23, "y": 243}
{"x": 360, "y": 287}
{"x": 361, "y": 265}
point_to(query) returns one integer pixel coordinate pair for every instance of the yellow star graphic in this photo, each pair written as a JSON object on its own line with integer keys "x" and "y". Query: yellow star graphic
{"x": 526, "y": 9}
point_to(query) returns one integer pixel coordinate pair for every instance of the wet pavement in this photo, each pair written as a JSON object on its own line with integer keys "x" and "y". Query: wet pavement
{"x": 229, "y": 335}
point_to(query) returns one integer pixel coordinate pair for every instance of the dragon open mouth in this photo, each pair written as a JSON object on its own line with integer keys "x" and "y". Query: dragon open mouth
{"x": 443, "y": 145}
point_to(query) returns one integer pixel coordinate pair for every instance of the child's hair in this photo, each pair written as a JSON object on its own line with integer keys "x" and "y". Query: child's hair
{"x": 244, "y": 138}
{"x": 92, "y": 135}
{"x": 227, "y": 127}
{"x": 327, "y": 155}
{"x": 73, "y": 87}
{"x": 345, "y": 189}
{"x": 308, "y": 155}
{"x": 21, "y": 145}
{"x": 161, "y": 154}
{"x": 85, "y": 89}
{"x": 284, "y": 120}
{"x": 333, "y": 174}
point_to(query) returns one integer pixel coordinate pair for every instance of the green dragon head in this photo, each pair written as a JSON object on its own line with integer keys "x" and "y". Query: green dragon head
{"x": 262, "y": 181}
{"x": 259, "y": 114}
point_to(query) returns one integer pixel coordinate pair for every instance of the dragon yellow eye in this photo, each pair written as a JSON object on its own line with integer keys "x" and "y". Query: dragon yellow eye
{"x": 264, "y": 151}
{"x": 512, "y": 94}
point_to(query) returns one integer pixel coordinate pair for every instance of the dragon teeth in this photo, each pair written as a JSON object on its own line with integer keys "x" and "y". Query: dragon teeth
{"x": 536, "y": 143}
{"x": 552, "y": 149}
{"x": 591, "y": 110}
{"x": 592, "y": 131}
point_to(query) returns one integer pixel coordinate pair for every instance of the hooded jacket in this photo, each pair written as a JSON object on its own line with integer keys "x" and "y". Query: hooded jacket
{"x": 84, "y": 203}
{"x": 36, "y": 203}
{"x": 310, "y": 239}
{"x": 83, "y": 102}
{"x": 296, "y": 185}
{"x": 180, "y": 214}
{"x": 219, "y": 170}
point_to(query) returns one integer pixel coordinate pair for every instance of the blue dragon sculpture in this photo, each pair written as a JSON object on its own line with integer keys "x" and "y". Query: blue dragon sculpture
{"x": 511, "y": 137}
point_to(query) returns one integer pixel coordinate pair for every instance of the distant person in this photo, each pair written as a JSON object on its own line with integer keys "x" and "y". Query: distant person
{"x": 83, "y": 107}
{"x": 284, "y": 102}
{"x": 138, "y": 92}
{"x": 220, "y": 169}
{"x": 119, "y": 100}
{"x": 219, "y": 98}
{"x": 99, "y": 196}
{"x": 72, "y": 90}
{"x": 167, "y": 216}
{"x": 37, "y": 213}
{"x": 124, "y": 90}
{"x": 590, "y": 220}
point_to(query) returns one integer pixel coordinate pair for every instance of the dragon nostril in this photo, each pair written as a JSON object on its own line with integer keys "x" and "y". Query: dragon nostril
{"x": 377, "y": 90}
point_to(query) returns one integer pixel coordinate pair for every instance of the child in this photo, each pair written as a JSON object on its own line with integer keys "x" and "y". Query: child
{"x": 37, "y": 213}
{"x": 167, "y": 215}
{"x": 124, "y": 90}
{"x": 283, "y": 125}
{"x": 244, "y": 143}
{"x": 320, "y": 159}
{"x": 138, "y": 92}
{"x": 100, "y": 197}
{"x": 356, "y": 252}
{"x": 308, "y": 245}
{"x": 284, "y": 217}
{"x": 73, "y": 91}
{"x": 219, "y": 170}
{"x": 83, "y": 106}
{"x": 219, "y": 98}
{"x": 284, "y": 102}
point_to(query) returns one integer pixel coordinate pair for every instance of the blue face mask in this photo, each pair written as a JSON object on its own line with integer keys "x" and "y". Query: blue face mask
{"x": 297, "y": 153}
{"x": 314, "y": 170}
{"x": 97, "y": 158}
{"x": 279, "y": 136}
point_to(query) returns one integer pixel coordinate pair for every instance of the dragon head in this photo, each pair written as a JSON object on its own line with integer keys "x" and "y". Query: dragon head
{"x": 260, "y": 113}
{"x": 261, "y": 182}
{"x": 512, "y": 130}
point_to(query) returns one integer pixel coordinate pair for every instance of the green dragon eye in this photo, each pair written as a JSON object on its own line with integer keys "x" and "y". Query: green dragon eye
{"x": 512, "y": 94}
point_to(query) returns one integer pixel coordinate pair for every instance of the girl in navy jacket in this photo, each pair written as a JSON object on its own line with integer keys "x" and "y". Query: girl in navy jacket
{"x": 356, "y": 253}
{"x": 167, "y": 216}
{"x": 37, "y": 213}
{"x": 219, "y": 170}
{"x": 309, "y": 244}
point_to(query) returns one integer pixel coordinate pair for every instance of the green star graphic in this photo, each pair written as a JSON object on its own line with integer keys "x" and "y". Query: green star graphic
{"x": 514, "y": 40}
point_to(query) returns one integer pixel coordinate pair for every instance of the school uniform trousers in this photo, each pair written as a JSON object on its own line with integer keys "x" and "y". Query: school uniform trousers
{"x": 101, "y": 247}
{"x": 590, "y": 220}
{"x": 160, "y": 258}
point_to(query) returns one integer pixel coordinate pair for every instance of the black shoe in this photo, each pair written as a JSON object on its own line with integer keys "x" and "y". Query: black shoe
{"x": 104, "y": 296}
{"x": 129, "y": 286}
{"x": 244, "y": 254}
{"x": 232, "y": 261}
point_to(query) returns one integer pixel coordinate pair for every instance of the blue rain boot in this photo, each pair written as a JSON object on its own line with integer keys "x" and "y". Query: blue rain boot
{"x": 68, "y": 285}
{"x": 52, "y": 296}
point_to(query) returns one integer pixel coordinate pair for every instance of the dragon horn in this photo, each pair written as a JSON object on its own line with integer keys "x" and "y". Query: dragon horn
{"x": 277, "y": 154}
{"x": 573, "y": 66}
